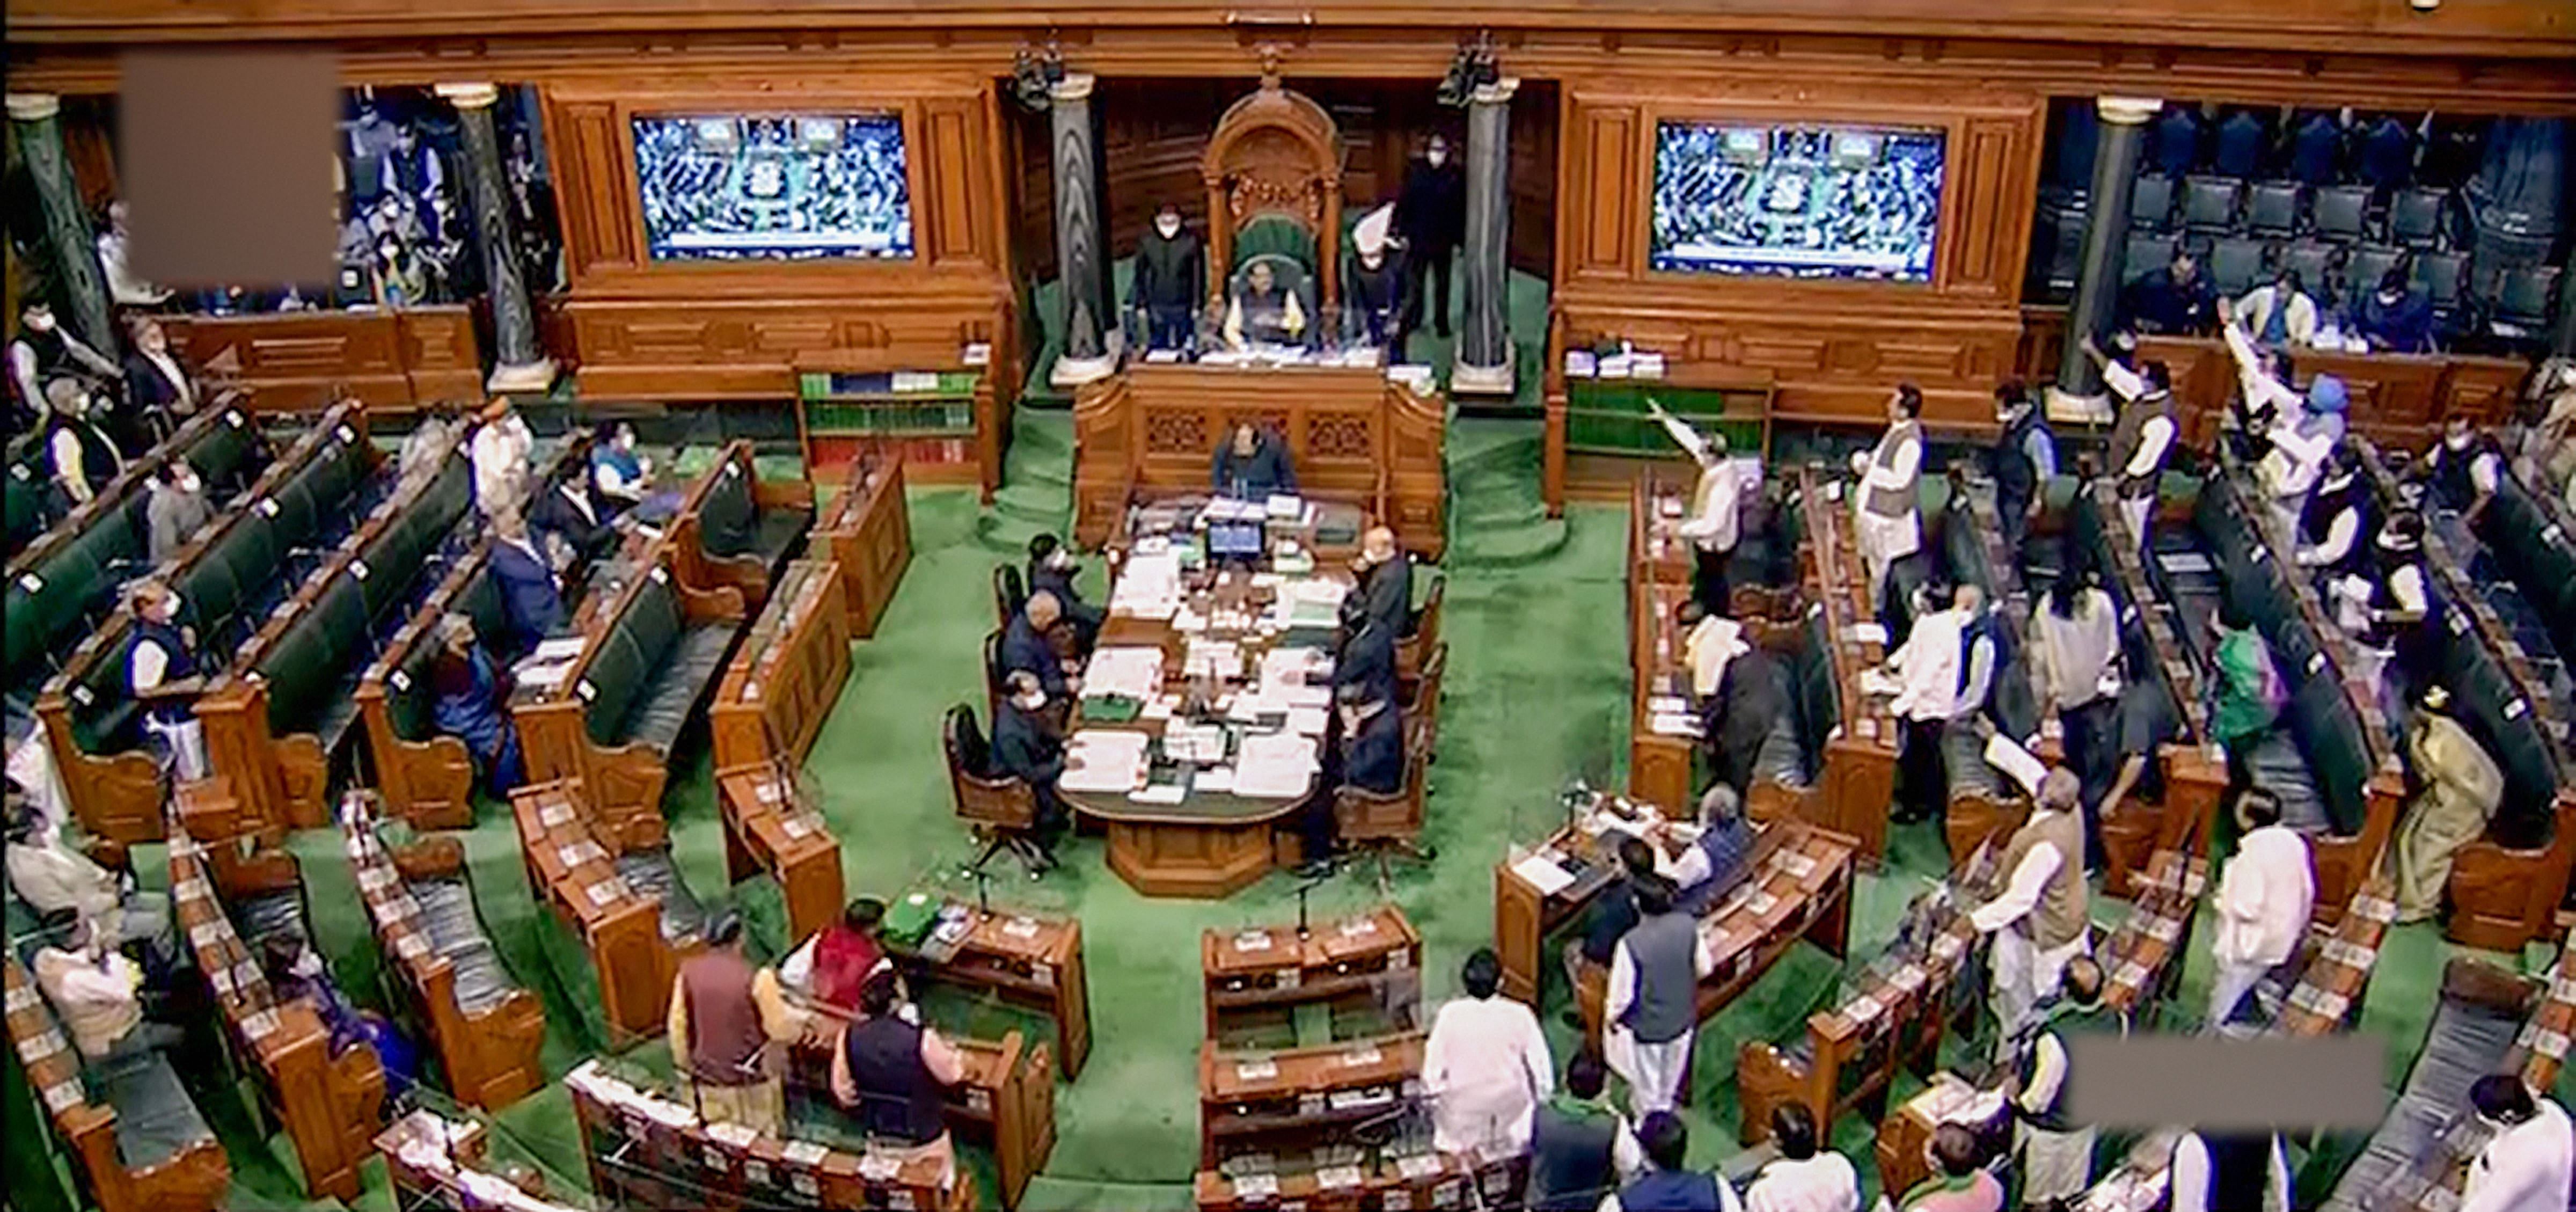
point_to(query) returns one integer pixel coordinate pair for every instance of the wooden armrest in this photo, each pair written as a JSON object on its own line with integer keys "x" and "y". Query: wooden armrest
{"x": 429, "y": 858}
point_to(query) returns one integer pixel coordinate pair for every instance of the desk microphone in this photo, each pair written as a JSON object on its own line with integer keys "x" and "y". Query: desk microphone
{"x": 983, "y": 900}
{"x": 1302, "y": 890}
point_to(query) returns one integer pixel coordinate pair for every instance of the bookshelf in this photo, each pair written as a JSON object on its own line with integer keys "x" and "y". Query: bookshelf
{"x": 941, "y": 420}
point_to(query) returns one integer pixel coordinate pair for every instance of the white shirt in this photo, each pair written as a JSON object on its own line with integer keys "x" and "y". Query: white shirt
{"x": 1927, "y": 667}
{"x": 2154, "y": 436}
{"x": 2075, "y": 654}
{"x": 2264, "y": 898}
{"x": 2191, "y": 1174}
{"x": 2021, "y": 894}
{"x": 54, "y": 877}
{"x": 94, "y": 999}
{"x": 1486, "y": 1058}
{"x": 1718, "y": 499}
{"x": 2525, "y": 1168}
{"x": 1981, "y": 679}
{"x": 2260, "y": 389}
{"x": 2407, "y": 586}
{"x": 150, "y": 666}
{"x": 72, "y": 470}
{"x": 612, "y": 483}
{"x": 1713, "y": 642}
{"x": 1898, "y": 473}
{"x": 1823, "y": 1183}
{"x": 500, "y": 454}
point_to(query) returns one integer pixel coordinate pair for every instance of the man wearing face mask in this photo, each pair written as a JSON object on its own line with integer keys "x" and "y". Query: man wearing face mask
{"x": 1264, "y": 312}
{"x": 1027, "y": 745}
{"x": 2465, "y": 468}
{"x": 176, "y": 510}
{"x": 2025, "y": 461}
{"x": 2526, "y": 1166}
{"x": 1372, "y": 281}
{"x": 401, "y": 279}
{"x": 42, "y": 352}
{"x": 501, "y": 449}
{"x": 84, "y": 459}
{"x": 1171, "y": 270}
{"x": 161, "y": 670}
{"x": 1431, "y": 218}
{"x": 2396, "y": 318}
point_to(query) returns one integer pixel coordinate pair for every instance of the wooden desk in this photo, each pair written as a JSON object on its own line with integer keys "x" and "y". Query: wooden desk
{"x": 788, "y": 673}
{"x": 2141, "y": 962}
{"x": 1660, "y": 764}
{"x": 1005, "y": 1099}
{"x": 650, "y": 1151}
{"x": 297, "y": 361}
{"x": 1280, "y": 1102}
{"x": 1524, "y": 915}
{"x": 2398, "y": 399}
{"x": 1891, "y": 1013}
{"x": 329, "y": 1102}
{"x": 765, "y": 833}
{"x": 1272, "y": 968}
{"x": 2333, "y": 975}
{"x": 1383, "y": 1181}
{"x": 1024, "y": 959}
{"x": 443, "y": 1163}
{"x": 867, "y": 530}
{"x": 1352, "y": 434}
{"x": 1656, "y": 555}
{"x": 572, "y": 866}
{"x": 1856, "y": 774}
{"x": 1210, "y": 843}
{"x": 1907, "y": 1130}
{"x": 1798, "y": 886}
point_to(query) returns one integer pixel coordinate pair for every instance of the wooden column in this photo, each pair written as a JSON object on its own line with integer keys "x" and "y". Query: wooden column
{"x": 2106, "y": 228}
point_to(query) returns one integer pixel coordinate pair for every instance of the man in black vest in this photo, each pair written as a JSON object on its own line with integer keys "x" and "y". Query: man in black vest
{"x": 1652, "y": 1006}
{"x": 2465, "y": 468}
{"x": 1609, "y": 917}
{"x": 1577, "y": 1141}
{"x": 1171, "y": 270}
{"x": 84, "y": 459}
{"x": 895, "y": 1076}
{"x": 161, "y": 673}
{"x": 1431, "y": 217}
{"x": 2025, "y": 461}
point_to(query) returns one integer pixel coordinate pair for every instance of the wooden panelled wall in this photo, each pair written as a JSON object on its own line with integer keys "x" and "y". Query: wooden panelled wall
{"x": 1153, "y": 132}
{"x": 1832, "y": 348}
{"x": 714, "y": 330}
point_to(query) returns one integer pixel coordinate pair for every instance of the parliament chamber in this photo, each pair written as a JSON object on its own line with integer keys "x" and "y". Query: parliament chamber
{"x": 718, "y": 637}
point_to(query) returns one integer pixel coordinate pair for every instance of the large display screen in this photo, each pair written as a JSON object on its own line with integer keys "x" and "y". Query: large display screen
{"x": 1796, "y": 201}
{"x": 773, "y": 187}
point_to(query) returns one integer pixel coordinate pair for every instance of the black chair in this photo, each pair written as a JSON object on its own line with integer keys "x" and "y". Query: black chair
{"x": 1010, "y": 594}
{"x": 2367, "y": 265}
{"x": 2342, "y": 213}
{"x": 2144, "y": 253}
{"x": 2523, "y": 297}
{"x": 2314, "y": 262}
{"x": 2442, "y": 275}
{"x": 994, "y": 690}
{"x": 2272, "y": 208}
{"x": 2151, "y": 203}
{"x": 2415, "y": 217}
{"x": 2209, "y": 203}
{"x": 1001, "y": 812}
{"x": 2235, "y": 262}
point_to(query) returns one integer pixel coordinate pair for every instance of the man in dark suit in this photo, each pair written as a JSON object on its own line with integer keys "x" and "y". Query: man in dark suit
{"x": 1739, "y": 717}
{"x": 1251, "y": 466}
{"x": 1052, "y": 570}
{"x": 531, "y": 595}
{"x": 158, "y": 390}
{"x": 1431, "y": 219}
{"x": 1366, "y": 751}
{"x": 2175, "y": 300}
{"x": 570, "y": 512}
{"x": 1367, "y": 660}
{"x": 1385, "y": 590}
{"x": 1025, "y": 648}
{"x": 1028, "y": 745}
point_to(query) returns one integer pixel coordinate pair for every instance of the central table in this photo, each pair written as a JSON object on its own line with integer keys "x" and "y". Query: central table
{"x": 1209, "y": 841}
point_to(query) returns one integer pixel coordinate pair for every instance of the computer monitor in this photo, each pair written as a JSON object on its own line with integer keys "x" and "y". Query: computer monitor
{"x": 1234, "y": 540}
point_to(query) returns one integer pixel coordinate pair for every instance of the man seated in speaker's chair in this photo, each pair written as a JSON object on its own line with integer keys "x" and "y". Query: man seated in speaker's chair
{"x": 1264, "y": 310}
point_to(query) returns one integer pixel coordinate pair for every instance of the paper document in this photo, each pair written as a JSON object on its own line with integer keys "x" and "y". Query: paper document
{"x": 2007, "y": 755}
{"x": 1543, "y": 873}
{"x": 561, "y": 648}
{"x": 1877, "y": 683}
{"x": 1870, "y": 633}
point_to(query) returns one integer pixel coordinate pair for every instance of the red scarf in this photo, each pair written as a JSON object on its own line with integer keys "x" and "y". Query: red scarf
{"x": 843, "y": 958}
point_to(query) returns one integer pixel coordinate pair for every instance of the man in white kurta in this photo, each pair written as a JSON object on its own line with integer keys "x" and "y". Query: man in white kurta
{"x": 2039, "y": 919}
{"x": 2304, "y": 429}
{"x": 1485, "y": 1068}
{"x": 501, "y": 451}
{"x": 2264, "y": 899}
{"x": 1717, "y": 503}
{"x": 1927, "y": 672}
{"x": 1885, "y": 510}
{"x": 2525, "y": 1168}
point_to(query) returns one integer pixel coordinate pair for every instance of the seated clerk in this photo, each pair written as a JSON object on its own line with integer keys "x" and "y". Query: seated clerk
{"x": 531, "y": 593}
{"x": 835, "y": 965}
{"x": 1252, "y": 465}
{"x": 97, "y": 996}
{"x": 1718, "y": 859}
{"x": 1025, "y": 648}
{"x": 1052, "y": 569}
{"x": 1028, "y": 744}
{"x": 1264, "y": 312}
{"x": 2278, "y": 312}
{"x": 1384, "y": 584}
{"x": 2175, "y": 299}
{"x": 1367, "y": 753}
{"x": 472, "y": 704}
{"x": 2465, "y": 468}
{"x": 1668, "y": 1184}
{"x": 2395, "y": 317}
{"x": 570, "y": 512}
{"x": 1367, "y": 660}
{"x": 894, "y": 1076}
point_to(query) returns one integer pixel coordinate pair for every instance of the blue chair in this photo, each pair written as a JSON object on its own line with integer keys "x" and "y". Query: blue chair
{"x": 2151, "y": 203}
{"x": 2209, "y": 203}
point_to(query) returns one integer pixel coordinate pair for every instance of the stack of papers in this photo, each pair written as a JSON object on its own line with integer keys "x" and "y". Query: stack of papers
{"x": 1274, "y": 766}
{"x": 1104, "y": 760}
{"x": 1131, "y": 673}
{"x": 1202, "y": 744}
{"x": 1149, "y": 586}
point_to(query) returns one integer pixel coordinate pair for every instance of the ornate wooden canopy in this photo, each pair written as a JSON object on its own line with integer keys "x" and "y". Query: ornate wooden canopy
{"x": 1274, "y": 153}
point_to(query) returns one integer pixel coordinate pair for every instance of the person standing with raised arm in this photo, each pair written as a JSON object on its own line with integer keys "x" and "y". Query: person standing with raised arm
{"x": 1717, "y": 503}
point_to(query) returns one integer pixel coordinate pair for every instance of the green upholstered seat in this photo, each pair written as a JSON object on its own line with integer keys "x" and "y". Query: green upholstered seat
{"x": 156, "y": 1120}
{"x": 26, "y": 502}
{"x": 651, "y": 668}
{"x": 732, "y": 523}
{"x": 50, "y": 607}
{"x": 456, "y": 934}
{"x": 1275, "y": 236}
{"x": 2519, "y": 532}
{"x": 652, "y": 873}
{"x": 2491, "y": 706}
{"x": 409, "y": 698}
{"x": 228, "y": 455}
{"x": 104, "y": 715}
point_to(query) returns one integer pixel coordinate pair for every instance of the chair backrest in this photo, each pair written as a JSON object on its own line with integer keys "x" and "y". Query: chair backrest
{"x": 2313, "y": 261}
{"x": 409, "y": 698}
{"x": 993, "y": 691}
{"x": 1010, "y": 593}
{"x": 729, "y": 515}
{"x": 2272, "y": 207}
{"x": 2441, "y": 274}
{"x": 980, "y": 796}
{"x": 2523, "y": 295}
{"x": 325, "y": 646}
{"x": 2342, "y": 211}
{"x": 1274, "y": 236}
{"x": 2209, "y": 203}
{"x": 2151, "y": 202}
{"x": 627, "y": 655}
{"x": 51, "y": 605}
{"x": 2415, "y": 216}
{"x": 2144, "y": 253}
{"x": 1426, "y": 621}
{"x": 2235, "y": 263}
{"x": 2367, "y": 265}
{"x": 2492, "y": 707}
{"x": 228, "y": 455}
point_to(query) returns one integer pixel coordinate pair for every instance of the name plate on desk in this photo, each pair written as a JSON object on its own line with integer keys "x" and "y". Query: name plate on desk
{"x": 2550, "y": 1043}
{"x": 1256, "y": 1070}
{"x": 2350, "y": 955}
{"x": 2377, "y": 909}
{"x": 555, "y": 815}
{"x": 1418, "y": 1167}
{"x": 1336, "y": 1178}
{"x": 1362, "y": 1057}
{"x": 1864, "y": 1010}
{"x": 1798, "y": 866}
{"x": 1359, "y": 927}
{"x": 21, "y": 997}
{"x": 1949, "y": 947}
{"x": 63, "y": 1095}
{"x": 2132, "y": 974}
{"x": 1252, "y": 940}
{"x": 1020, "y": 928}
{"x": 802, "y": 1152}
{"x": 1909, "y": 978}
{"x": 877, "y": 1167}
{"x": 1256, "y": 1186}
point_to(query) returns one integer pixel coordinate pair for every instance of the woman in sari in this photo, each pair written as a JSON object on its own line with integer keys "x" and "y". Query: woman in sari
{"x": 470, "y": 705}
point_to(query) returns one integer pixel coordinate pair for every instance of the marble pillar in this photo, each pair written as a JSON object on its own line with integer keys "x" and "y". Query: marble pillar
{"x": 71, "y": 240}
{"x": 1092, "y": 335}
{"x": 1484, "y": 364}
{"x": 2078, "y": 393}
{"x": 518, "y": 363}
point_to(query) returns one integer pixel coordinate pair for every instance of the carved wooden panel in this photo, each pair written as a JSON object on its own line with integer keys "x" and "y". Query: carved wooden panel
{"x": 1178, "y": 433}
{"x": 1603, "y": 188}
{"x": 954, "y": 211}
{"x": 1988, "y": 216}
{"x": 599, "y": 230}
{"x": 721, "y": 349}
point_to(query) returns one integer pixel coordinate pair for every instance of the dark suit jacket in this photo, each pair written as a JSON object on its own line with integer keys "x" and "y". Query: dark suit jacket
{"x": 590, "y": 537}
{"x": 1374, "y": 759}
{"x": 1431, "y": 213}
{"x": 1058, "y": 581}
{"x": 1368, "y": 659}
{"x": 146, "y": 387}
{"x": 1267, "y": 471}
{"x": 1740, "y": 715}
{"x": 1024, "y": 749}
{"x": 529, "y": 599}
{"x": 1388, "y": 595}
{"x": 1023, "y": 647}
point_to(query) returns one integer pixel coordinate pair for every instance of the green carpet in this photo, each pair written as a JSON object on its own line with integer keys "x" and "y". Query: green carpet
{"x": 1537, "y": 696}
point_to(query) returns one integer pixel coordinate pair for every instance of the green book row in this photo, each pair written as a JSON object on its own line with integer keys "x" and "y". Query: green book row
{"x": 886, "y": 418}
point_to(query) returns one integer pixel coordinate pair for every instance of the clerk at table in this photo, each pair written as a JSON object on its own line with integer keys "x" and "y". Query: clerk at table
{"x": 1368, "y": 755}
{"x": 1252, "y": 465}
{"x": 1052, "y": 569}
{"x": 1385, "y": 589}
{"x": 1367, "y": 660}
{"x": 1027, "y": 745}
{"x": 1025, "y": 647}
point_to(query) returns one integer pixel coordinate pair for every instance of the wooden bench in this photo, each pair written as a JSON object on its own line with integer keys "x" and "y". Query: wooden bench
{"x": 646, "y": 665}
{"x": 737, "y": 530}
{"x": 867, "y": 530}
{"x": 137, "y": 1138}
{"x": 1005, "y": 1101}
{"x": 280, "y": 718}
{"x": 1264, "y": 973}
{"x": 426, "y": 776}
{"x": 786, "y": 677}
{"x": 2141, "y": 961}
{"x": 623, "y": 898}
{"x": 226, "y": 578}
{"x": 487, "y": 1028}
{"x": 766, "y": 832}
{"x": 331, "y": 1103}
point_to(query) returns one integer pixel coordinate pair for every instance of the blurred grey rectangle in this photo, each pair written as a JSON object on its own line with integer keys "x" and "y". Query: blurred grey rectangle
{"x": 227, "y": 160}
{"x": 2149, "y": 1081}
